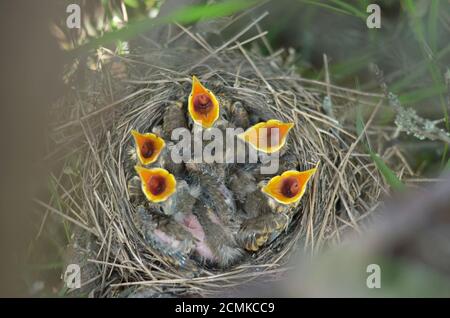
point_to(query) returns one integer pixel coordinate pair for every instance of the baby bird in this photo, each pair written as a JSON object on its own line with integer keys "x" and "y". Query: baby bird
{"x": 173, "y": 118}
{"x": 261, "y": 230}
{"x": 143, "y": 149}
{"x": 222, "y": 245}
{"x": 135, "y": 191}
{"x": 169, "y": 238}
{"x": 241, "y": 183}
{"x": 176, "y": 232}
{"x": 166, "y": 160}
{"x": 268, "y": 137}
{"x": 286, "y": 161}
{"x": 270, "y": 208}
{"x": 265, "y": 220}
{"x": 149, "y": 150}
{"x": 159, "y": 190}
{"x": 238, "y": 115}
{"x": 203, "y": 106}
{"x": 181, "y": 202}
{"x": 214, "y": 194}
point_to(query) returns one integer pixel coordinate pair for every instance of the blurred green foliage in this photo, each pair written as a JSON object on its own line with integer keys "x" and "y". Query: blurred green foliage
{"x": 185, "y": 15}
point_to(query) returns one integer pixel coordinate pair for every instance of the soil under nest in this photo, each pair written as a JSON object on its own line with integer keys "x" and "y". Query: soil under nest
{"x": 118, "y": 261}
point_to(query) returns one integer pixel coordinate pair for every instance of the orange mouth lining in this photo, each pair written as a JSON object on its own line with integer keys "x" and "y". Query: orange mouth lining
{"x": 148, "y": 146}
{"x": 157, "y": 185}
{"x": 203, "y": 106}
{"x": 290, "y": 187}
{"x": 147, "y": 149}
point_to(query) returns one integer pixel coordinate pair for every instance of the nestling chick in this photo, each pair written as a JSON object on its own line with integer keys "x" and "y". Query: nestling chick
{"x": 157, "y": 184}
{"x": 148, "y": 147}
{"x": 238, "y": 115}
{"x": 145, "y": 149}
{"x": 173, "y": 118}
{"x": 241, "y": 183}
{"x": 163, "y": 154}
{"x": 173, "y": 220}
{"x": 172, "y": 241}
{"x": 135, "y": 191}
{"x": 203, "y": 106}
{"x": 289, "y": 187}
{"x": 182, "y": 201}
{"x": 214, "y": 194}
{"x": 166, "y": 161}
{"x": 218, "y": 238}
{"x": 270, "y": 208}
{"x": 266, "y": 219}
{"x": 261, "y": 230}
{"x": 268, "y": 137}
{"x": 287, "y": 161}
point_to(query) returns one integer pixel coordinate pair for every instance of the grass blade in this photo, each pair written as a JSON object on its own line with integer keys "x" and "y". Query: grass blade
{"x": 433, "y": 19}
{"x": 390, "y": 177}
{"x": 349, "y": 8}
{"x": 326, "y": 6}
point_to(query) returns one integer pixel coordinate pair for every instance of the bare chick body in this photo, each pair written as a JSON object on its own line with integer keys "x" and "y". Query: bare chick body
{"x": 172, "y": 241}
{"x": 220, "y": 240}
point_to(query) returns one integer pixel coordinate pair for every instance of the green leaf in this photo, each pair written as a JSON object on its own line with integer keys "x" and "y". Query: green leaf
{"x": 132, "y": 3}
{"x": 389, "y": 175}
{"x": 326, "y": 6}
{"x": 360, "y": 127}
{"x": 208, "y": 12}
{"x": 341, "y": 7}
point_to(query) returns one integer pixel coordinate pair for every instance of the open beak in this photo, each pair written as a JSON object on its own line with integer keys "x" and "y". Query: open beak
{"x": 148, "y": 147}
{"x": 267, "y": 137}
{"x": 157, "y": 183}
{"x": 289, "y": 187}
{"x": 203, "y": 106}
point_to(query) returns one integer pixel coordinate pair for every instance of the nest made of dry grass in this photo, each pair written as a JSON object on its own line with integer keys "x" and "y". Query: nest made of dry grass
{"x": 130, "y": 92}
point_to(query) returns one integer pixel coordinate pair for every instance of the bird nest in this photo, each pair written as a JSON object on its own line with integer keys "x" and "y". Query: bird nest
{"x": 131, "y": 93}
